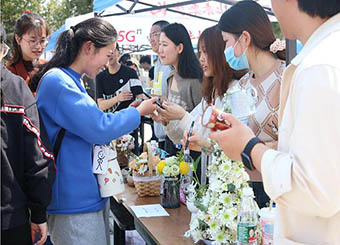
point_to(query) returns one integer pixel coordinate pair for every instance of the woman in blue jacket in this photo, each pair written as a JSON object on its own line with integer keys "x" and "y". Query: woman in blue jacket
{"x": 76, "y": 210}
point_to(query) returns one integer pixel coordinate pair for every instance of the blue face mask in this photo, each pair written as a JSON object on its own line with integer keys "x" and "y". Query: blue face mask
{"x": 237, "y": 63}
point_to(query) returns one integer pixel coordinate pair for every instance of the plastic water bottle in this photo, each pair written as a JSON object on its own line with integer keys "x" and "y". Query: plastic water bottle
{"x": 247, "y": 219}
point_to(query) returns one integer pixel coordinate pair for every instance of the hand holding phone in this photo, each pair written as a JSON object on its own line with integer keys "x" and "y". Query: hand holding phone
{"x": 157, "y": 101}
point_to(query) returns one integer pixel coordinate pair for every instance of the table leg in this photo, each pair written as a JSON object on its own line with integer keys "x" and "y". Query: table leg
{"x": 118, "y": 235}
{"x": 145, "y": 234}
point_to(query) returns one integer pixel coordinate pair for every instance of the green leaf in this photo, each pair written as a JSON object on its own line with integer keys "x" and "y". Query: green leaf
{"x": 200, "y": 206}
{"x": 55, "y": 12}
{"x": 180, "y": 155}
{"x": 231, "y": 187}
{"x": 202, "y": 225}
{"x": 196, "y": 164}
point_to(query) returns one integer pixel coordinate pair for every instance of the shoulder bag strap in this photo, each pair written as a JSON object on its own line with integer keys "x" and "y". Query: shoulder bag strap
{"x": 57, "y": 143}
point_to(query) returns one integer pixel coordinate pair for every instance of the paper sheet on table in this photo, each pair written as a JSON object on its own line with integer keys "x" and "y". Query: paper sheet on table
{"x": 152, "y": 210}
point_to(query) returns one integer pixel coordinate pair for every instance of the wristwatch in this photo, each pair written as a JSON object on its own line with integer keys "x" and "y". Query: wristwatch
{"x": 245, "y": 155}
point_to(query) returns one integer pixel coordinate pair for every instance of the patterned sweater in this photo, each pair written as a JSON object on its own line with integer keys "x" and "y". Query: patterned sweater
{"x": 264, "y": 122}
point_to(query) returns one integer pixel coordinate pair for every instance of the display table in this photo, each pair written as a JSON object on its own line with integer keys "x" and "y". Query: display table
{"x": 156, "y": 230}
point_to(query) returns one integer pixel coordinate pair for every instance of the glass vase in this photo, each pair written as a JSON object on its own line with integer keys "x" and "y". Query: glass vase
{"x": 170, "y": 197}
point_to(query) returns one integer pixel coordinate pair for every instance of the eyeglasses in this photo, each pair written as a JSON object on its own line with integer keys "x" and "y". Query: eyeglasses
{"x": 5, "y": 49}
{"x": 153, "y": 35}
{"x": 34, "y": 43}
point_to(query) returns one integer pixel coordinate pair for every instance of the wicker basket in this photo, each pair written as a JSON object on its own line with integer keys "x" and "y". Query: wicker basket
{"x": 148, "y": 184}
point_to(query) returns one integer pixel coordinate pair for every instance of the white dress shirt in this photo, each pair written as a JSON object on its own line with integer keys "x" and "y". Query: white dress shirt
{"x": 303, "y": 176}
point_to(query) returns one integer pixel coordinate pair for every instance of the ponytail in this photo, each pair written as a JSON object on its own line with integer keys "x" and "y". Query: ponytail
{"x": 281, "y": 54}
{"x": 100, "y": 32}
{"x": 278, "y": 49}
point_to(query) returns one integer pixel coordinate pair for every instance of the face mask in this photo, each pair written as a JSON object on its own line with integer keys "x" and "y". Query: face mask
{"x": 237, "y": 63}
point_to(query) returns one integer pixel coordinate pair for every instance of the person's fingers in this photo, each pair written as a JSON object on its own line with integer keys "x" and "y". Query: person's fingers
{"x": 218, "y": 135}
{"x": 229, "y": 118}
{"x": 168, "y": 104}
{"x": 43, "y": 238}
{"x": 153, "y": 100}
{"x": 33, "y": 233}
{"x": 185, "y": 136}
{"x": 162, "y": 112}
{"x": 183, "y": 141}
{"x": 186, "y": 133}
{"x": 154, "y": 105}
{"x": 194, "y": 139}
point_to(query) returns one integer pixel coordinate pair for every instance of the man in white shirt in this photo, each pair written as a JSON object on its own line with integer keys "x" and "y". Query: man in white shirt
{"x": 161, "y": 74}
{"x": 303, "y": 175}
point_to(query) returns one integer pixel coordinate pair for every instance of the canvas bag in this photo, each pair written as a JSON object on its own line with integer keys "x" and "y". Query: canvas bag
{"x": 110, "y": 178}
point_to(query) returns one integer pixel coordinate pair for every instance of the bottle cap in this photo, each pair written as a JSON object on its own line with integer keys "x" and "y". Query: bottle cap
{"x": 247, "y": 191}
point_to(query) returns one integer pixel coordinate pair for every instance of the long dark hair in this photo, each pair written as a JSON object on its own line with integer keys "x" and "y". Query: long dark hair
{"x": 188, "y": 64}
{"x": 100, "y": 32}
{"x": 212, "y": 43}
{"x": 250, "y": 16}
{"x": 26, "y": 23}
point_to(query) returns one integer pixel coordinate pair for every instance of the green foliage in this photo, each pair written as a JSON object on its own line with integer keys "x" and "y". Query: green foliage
{"x": 277, "y": 31}
{"x": 63, "y": 9}
{"x": 231, "y": 188}
{"x": 55, "y": 12}
{"x": 194, "y": 171}
{"x": 11, "y": 10}
{"x": 203, "y": 225}
{"x": 200, "y": 192}
{"x": 180, "y": 155}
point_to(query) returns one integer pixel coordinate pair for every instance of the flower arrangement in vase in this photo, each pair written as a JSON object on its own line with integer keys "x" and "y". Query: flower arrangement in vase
{"x": 172, "y": 169}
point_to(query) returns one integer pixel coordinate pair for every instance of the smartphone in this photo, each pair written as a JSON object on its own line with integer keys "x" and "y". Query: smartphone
{"x": 157, "y": 102}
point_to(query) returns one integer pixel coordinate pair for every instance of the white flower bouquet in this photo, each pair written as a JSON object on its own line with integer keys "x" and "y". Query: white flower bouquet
{"x": 218, "y": 202}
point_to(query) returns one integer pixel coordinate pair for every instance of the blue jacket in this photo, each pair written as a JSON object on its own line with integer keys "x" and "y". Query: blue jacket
{"x": 63, "y": 103}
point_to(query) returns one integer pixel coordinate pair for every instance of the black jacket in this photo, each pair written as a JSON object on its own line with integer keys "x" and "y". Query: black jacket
{"x": 27, "y": 166}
